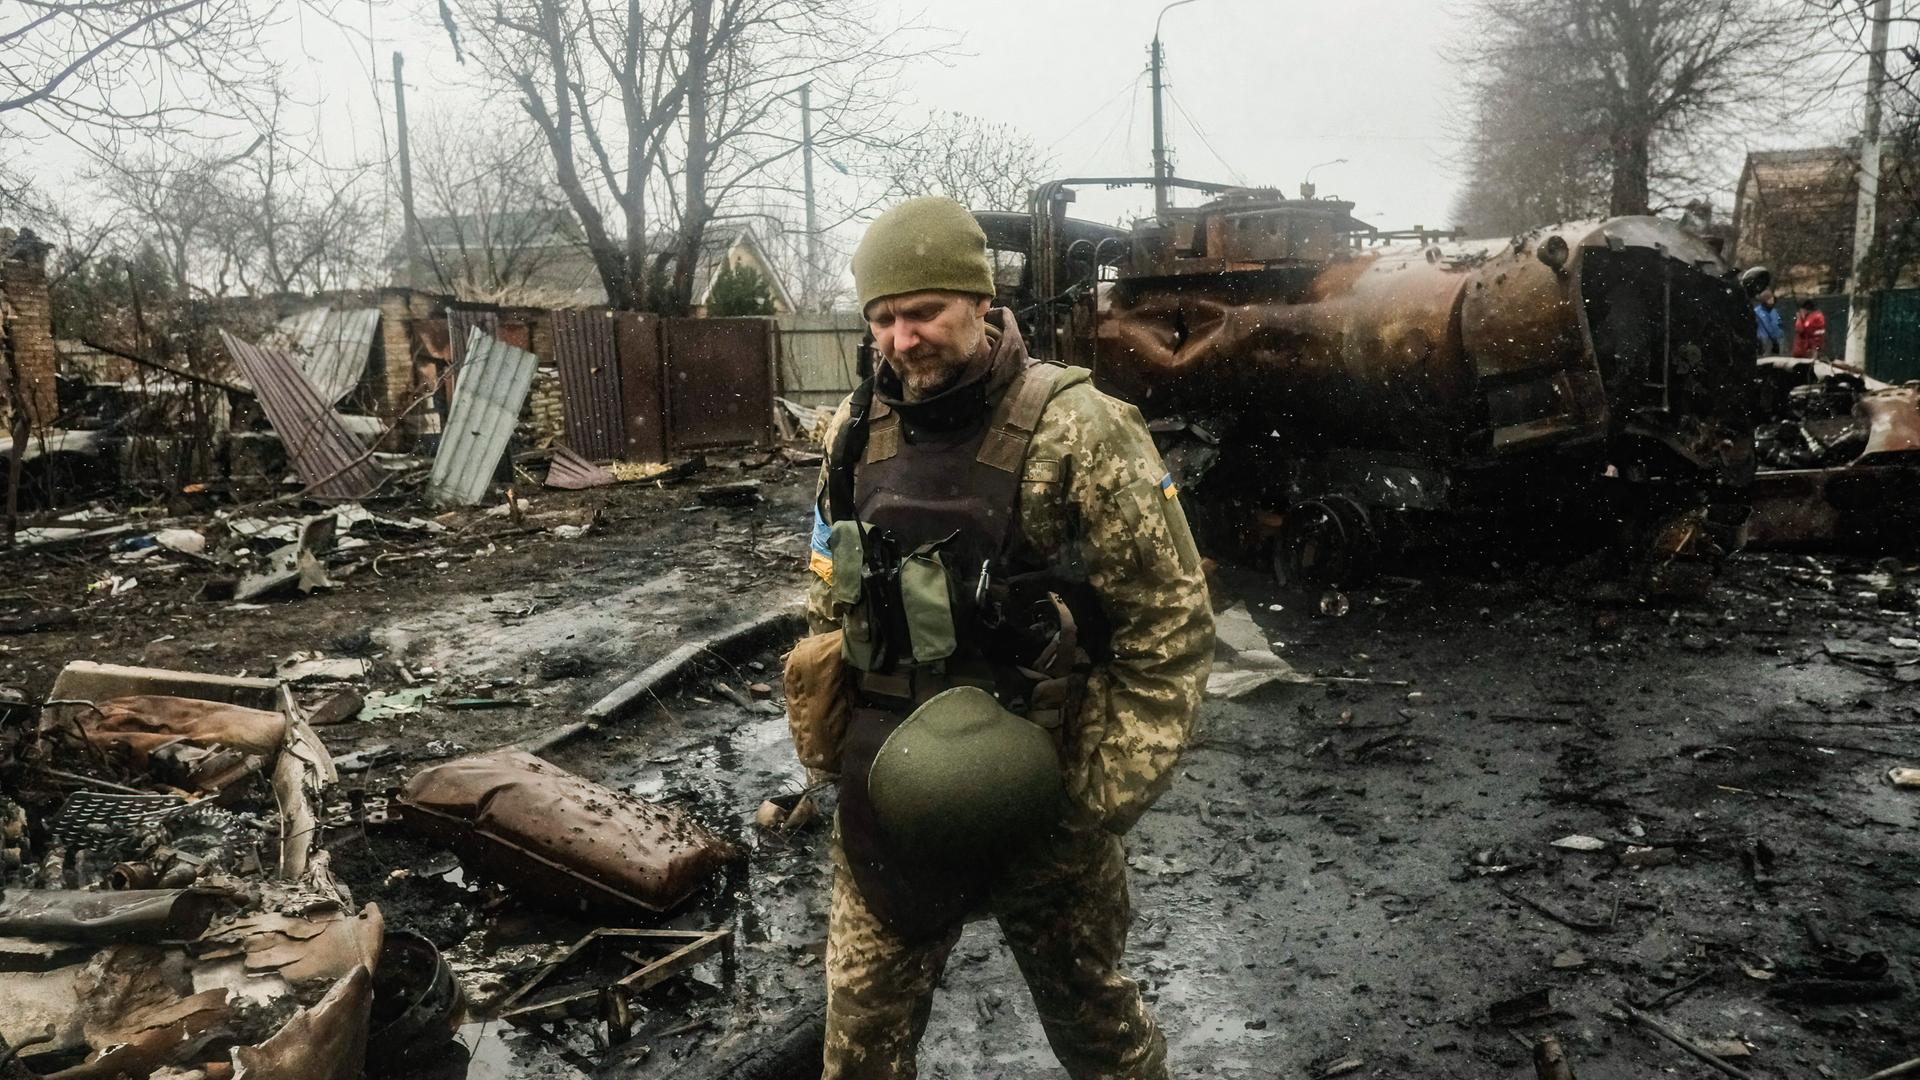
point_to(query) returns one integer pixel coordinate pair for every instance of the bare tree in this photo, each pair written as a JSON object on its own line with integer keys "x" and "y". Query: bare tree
{"x": 1647, "y": 85}
{"x": 175, "y": 196}
{"x": 489, "y": 214}
{"x": 298, "y": 224}
{"x": 107, "y": 72}
{"x": 1894, "y": 255}
{"x": 272, "y": 218}
{"x": 114, "y": 62}
{"x": 1528, "y": 160}
{"x": 984, "y": 165}
{"x": 659, "y": 119}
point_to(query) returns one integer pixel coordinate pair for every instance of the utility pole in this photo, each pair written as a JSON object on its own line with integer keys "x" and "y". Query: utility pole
{"x": 410, "y": 226}
{"x": 1162, "y": 167}
{"x": 1162, "y": 200}
{"x": 813, "y": 216}
{"x": 1859, "y": 299}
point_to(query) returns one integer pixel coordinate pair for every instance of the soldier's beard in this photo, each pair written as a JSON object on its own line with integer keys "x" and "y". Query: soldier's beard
{"x": 926, "y": 373}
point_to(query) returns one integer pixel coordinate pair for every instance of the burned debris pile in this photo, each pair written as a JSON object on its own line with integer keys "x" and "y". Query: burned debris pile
{"x": 1809, "y": 414}
{"x": 1330, "y": 398}
{"x": 164, "y": 898}
{"x": 1841, "y": 460}
{"x": 169, "y": 899}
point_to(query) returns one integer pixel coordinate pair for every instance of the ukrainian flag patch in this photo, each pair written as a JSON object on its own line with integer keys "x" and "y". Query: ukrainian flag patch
{"x": 1168, "y": 487}
{"x": 820, "y": 550}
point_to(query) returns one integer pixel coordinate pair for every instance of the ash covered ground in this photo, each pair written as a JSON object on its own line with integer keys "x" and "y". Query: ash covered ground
{"x": 1345, "y": 878}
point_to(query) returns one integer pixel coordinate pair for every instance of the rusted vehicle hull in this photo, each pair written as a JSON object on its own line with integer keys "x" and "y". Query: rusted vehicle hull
{"x": 1350, "y": 399}
{"x": 1461, "y": 352}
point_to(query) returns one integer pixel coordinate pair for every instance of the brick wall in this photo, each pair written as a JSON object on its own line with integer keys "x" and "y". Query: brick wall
{"x": 545, "y": 412}
{"x": 393, "y": 376}
{"x": 28, "y": 322}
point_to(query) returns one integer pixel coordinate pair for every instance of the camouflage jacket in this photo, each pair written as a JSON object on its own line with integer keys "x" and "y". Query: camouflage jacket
{"x": 1094, "y": 494}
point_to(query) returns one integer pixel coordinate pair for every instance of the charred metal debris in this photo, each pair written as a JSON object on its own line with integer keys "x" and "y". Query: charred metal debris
{"x": 1328, "y": 396}
{"x": 168, "y": 903}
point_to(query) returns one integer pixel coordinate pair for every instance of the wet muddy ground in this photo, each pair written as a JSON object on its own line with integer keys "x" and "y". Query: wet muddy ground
{"x": 1346, "y": 875}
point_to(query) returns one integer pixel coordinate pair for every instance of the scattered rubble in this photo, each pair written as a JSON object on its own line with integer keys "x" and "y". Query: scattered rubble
{"x": 1455, "y": 724}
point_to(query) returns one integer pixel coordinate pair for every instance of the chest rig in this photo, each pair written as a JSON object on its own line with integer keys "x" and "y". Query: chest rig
{"x": 932, "y": 595}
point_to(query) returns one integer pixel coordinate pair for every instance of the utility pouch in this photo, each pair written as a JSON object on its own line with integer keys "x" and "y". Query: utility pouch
{"x": 926, "y": 596}
{"x": 860, "y": 638}
{"x": 818, "y": 700}
{"x": 866, "y": 594}
{"x": 849, "y": 556}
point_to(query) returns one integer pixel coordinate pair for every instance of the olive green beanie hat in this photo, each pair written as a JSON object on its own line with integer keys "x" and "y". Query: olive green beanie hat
{"x": 926, "y": 243}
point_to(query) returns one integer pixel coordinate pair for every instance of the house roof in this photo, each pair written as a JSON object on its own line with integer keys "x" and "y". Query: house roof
{"x": 557, "y": 229}
{"x": 719, "y": 240}
{"x": 1794, "y": 210}
{"x": 522, "y": 228}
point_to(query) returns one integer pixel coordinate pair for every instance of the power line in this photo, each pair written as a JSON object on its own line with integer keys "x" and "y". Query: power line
{"x": 1132, "y": 110}
{"x": 1208, "y": 143}
{"x": 1131, "y": 85}
{"x": 1133, "y": 113}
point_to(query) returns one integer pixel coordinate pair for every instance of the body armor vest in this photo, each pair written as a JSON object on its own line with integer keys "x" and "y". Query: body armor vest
{"x": 951, "y": 498}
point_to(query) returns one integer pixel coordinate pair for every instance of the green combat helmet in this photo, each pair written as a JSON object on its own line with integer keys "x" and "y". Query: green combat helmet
{"x": 963, "y": 780}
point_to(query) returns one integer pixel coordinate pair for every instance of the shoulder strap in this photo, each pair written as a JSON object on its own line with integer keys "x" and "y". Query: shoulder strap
{"x": 847, "y": 450}
{"x": 883, "y": 434}
{"x": 1018, "y": 415}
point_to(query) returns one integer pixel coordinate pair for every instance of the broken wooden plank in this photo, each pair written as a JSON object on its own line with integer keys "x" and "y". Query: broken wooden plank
{"x": 1671, "y": 1035}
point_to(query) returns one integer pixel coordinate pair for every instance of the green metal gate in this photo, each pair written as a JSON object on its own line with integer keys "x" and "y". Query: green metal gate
{"x": 1893, "y": 347}
{"x": 1893, "y": 343}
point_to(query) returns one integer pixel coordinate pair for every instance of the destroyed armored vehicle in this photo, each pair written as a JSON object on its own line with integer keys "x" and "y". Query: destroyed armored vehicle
{"x": 1326, "y": 394}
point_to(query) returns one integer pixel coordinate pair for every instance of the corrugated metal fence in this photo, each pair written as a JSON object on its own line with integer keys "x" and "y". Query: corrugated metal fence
{"x": 461, "y": 323}
{"x": 332, "y": 347}
{"x": 494, "y": 379}
{"x": 326, "y": 455}
{"x": 719, "y": 382}
{"x": 590, "y": 377}
{"x": 638, "y": 387}
{"x": 819, "y": 356}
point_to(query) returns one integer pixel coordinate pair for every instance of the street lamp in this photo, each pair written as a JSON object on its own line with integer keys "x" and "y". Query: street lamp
{"x": 1306, "y": 182}
{"x": 1162, "y": 171}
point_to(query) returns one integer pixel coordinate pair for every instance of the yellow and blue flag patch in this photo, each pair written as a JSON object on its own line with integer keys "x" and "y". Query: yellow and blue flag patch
{"x": 1168, "y": 487}
{"x": 820, "y": 551}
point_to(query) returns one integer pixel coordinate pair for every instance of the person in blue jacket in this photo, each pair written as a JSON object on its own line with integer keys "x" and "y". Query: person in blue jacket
{"x": 1773, "y": 339}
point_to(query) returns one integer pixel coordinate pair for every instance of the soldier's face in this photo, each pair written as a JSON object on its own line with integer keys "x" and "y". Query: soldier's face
{"x": 930, "y": 339}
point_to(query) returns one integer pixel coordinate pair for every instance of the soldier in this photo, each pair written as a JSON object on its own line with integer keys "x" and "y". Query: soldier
{"x": 1025, "y": 632}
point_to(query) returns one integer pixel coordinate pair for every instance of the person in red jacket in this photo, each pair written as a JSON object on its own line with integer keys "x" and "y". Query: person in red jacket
{"x": 1809, "y": 331}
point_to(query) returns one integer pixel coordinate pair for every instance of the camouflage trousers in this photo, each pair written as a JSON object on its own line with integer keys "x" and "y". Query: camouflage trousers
{"x": 1064, "y": 912}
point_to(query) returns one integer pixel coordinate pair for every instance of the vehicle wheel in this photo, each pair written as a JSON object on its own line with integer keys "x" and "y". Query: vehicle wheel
{"x": 1324, "y": 544}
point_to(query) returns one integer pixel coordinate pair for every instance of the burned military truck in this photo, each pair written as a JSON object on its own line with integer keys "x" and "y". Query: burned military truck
{"x": 1325, "y": 398}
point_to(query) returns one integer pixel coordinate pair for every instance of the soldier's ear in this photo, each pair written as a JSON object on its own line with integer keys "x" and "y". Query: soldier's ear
{"x": 980, "y": 306}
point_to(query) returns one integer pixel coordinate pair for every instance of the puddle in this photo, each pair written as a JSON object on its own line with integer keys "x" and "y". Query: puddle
{"x": 470, "y": 633}
{"x": 497, "y": 1051}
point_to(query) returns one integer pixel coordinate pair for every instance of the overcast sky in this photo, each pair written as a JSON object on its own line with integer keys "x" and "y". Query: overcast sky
{"x": 1261, "y": 91}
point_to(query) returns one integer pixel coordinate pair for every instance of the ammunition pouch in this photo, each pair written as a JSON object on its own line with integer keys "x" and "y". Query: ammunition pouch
{"x": 896, "y": 610}
{"x": 818, "y": 700}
